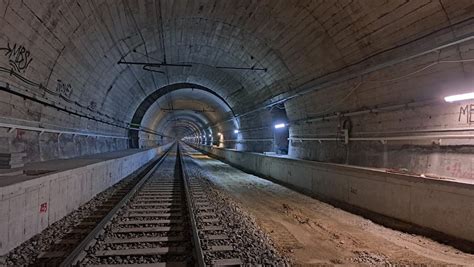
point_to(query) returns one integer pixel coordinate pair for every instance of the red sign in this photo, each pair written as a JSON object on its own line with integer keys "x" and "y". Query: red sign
{"x": 44, "y": 207}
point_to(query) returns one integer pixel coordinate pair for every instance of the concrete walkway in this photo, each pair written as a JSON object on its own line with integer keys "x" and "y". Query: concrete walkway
{"x": 35, "y": 170}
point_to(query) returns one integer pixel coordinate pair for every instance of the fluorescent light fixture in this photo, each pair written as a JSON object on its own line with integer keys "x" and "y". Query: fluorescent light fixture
{"x": 236, "y": 131}
{"x": 453, "y": 98}
{"x": 280, "y": 125}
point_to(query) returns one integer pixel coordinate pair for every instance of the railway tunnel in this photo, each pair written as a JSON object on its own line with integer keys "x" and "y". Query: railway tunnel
{"x": 236, "y": 133}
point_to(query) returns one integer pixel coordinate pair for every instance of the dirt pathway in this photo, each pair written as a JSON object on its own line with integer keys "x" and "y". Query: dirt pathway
{"x": 313, "y": 232}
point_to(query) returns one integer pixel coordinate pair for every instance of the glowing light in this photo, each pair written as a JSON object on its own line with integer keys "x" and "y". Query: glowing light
{"x": 236, "y": 131}
{"x": 219, "y": 134}
{"x": 460, "y": 97}
{"x": 280, "y": 125}
{"x": 210, "y": 135}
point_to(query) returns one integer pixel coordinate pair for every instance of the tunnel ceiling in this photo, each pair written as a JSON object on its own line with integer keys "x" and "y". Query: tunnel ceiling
{"x": 78, "y": 44}
{"x": 182, "y": 103}
{"x": 198, "y": 106}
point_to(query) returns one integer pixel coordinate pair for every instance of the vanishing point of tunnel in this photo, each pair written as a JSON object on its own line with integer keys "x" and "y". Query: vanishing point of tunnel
{"x": 236, "y": 133}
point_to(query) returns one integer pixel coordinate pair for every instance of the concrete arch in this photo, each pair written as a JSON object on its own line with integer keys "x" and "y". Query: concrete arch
{"x": 150, "y": 99}
{"x": 199, "y": 124}
{"x": 200, "y": 119}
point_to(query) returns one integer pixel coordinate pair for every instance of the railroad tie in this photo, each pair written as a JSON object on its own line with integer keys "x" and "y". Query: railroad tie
{"x": 52, "y": 254}
{"x": 154, "y": 214}
{"x": 227, "y": 262}
{"x": 216, "y": 237}
{"x": 156, "y": 264}
{"x": 212, "y": 220}
{"x": 168, "y": 221}
{"x": 221, "y": 248}
{"x": 212, "y": 228}
{"x": 156, "y": 204}
{"x": 156, "y": 239}
{"x": 154, "y": 210}
{"x": 141, "y": 251}
{"x": 148, "y": 229}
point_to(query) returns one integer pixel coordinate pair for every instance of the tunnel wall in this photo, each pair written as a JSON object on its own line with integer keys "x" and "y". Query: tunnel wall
{"x": 21, "y": 216}
{"x": 48, "y": 146}
{"x": 147, "y": 140}
{"x": 255, "y": 133}
{"x": 404, "y": 101}
{"x": 41, "y": 146}
{"x": 443, "y": 206}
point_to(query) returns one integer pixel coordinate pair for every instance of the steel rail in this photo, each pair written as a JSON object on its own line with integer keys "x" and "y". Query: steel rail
{"x": 199, "y": 254}
{"x": 80, "y": 251}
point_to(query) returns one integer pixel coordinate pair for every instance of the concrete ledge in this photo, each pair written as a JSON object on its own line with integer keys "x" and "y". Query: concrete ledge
{"x": 442, "y": 206}
{"x": 28, "y": 207}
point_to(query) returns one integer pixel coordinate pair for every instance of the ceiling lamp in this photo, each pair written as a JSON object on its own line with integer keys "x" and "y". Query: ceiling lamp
{"x": 280, "y": 125}
{"x": 453, "y": 98}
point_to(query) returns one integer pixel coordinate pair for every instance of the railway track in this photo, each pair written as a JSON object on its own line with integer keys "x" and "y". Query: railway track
{"x": 211, "y": 237}
{"x": 85, "y": 220}
{"x": 65, "y": 244}
{"x": 166, "y": 219}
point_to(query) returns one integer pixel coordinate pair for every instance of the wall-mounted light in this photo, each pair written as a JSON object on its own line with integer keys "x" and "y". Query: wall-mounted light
{"x": 236, "y": 131}
{"x": 280, "y": 125}
{"x": 453, "y": 98}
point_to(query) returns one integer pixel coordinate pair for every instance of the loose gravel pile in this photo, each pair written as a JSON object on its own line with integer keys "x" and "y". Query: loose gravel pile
{"x": 28, "y": 252}
{"x": 251, "y": 244}
{"x": 368, "y": 258}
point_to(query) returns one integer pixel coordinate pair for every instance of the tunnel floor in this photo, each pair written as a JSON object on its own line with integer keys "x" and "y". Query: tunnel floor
{"x": 313, "y": 232}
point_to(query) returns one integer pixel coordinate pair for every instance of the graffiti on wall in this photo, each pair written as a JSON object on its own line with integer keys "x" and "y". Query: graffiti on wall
{"x": 457, "y": 168}
{"x": 92, "y": 105}
{"x": 43, "y": 207}
{"x": 65, "y": 89}
{"x": 466, "y": 113}
{"x": 18, "y": 57}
